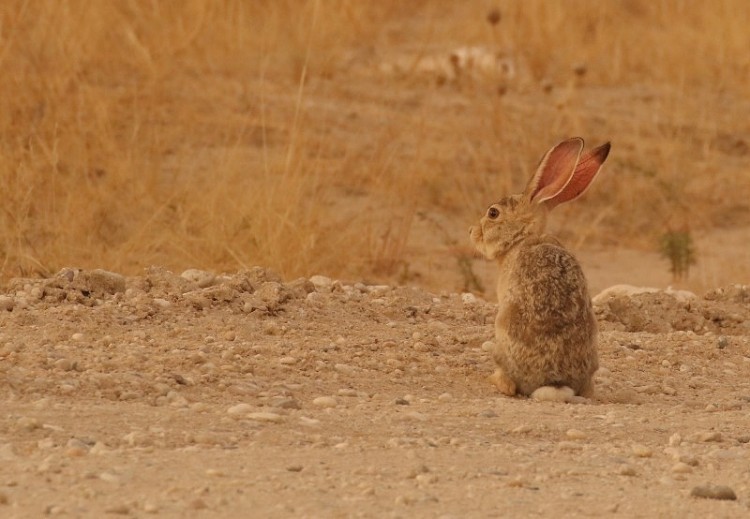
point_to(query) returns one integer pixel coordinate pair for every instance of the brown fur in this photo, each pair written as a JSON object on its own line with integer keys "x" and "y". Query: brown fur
{"x": 545, "y": 329}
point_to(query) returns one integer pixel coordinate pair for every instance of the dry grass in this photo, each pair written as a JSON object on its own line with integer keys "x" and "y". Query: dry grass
{"x": 231, "y": 133}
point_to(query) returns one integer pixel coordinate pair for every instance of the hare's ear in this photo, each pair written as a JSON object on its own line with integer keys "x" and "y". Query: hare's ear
{"x": 554, "y": 171}
{"x": 584, "y": 174}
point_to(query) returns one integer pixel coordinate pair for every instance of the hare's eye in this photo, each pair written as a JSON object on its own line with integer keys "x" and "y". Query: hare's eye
{"x": 493, "y": 213}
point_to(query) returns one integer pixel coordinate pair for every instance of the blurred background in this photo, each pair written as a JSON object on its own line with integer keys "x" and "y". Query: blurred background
{"x": 361, "y": 139}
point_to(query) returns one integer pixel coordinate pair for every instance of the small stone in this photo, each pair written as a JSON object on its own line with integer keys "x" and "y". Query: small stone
{"x": 118, "y": 509}
{"x": 445, "y": 397}
{"x": 4, "y": 498}
{"x": 321, "y": 282}
{"x": 401, "y": 401}
{"x": 150, "y": 508}
{"x": 522, "y": 429}
{"x": 488, "y": 346}
{"x": 240, "y": 409}
{"x": 27, "y": 423}
{"x": 295, "y": 468}
{"x": 626, "y": 470}
{"x": 6, "y": 303}
{"x": 78, "y": 336}
{"x": 346, "y": 369}
{"x": 109, "y": 477}
{"x": 287, "y": 361}
{"x": 468, "y": 298}
{"x": 681, "y": 468}
{"x": 161, "y": 303}
{"x": 575, "y": 434}
{"x": 63, "y": 364}
{"x": 722, "y": 343}
{"x": 285, "y": 403}
{"x": 675, "y": 440}
{"x": 711, "y": 436}
{"x": 721, "y": 492}
{"x": 641, "y": 451}
{"x": 265, "y": 417}
{"x": 325, "y": 401}
{"x": 198, "y": 504}
{"x": 200, "y": 277}
{"x": 487, "y": 413}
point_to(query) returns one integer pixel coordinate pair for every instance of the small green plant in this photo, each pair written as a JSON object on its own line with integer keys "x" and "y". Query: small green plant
{"x": 677, "y": 247}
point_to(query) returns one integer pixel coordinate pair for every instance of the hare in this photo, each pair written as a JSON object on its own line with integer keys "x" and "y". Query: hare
{"x": 545, "y": 329}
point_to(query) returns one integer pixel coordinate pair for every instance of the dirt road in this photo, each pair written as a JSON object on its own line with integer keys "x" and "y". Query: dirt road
{"x": 244, "y": 396}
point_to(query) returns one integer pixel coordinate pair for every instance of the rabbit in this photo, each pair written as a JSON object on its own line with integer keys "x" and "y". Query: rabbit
{"x": 545, "y": 329}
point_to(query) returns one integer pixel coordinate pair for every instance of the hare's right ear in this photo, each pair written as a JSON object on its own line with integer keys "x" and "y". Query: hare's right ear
{"x": 554, "y": 171}
{"x": 586, "y": 171}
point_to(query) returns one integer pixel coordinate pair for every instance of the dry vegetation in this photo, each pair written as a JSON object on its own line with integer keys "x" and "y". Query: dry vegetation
{"x": 232, "y": 133}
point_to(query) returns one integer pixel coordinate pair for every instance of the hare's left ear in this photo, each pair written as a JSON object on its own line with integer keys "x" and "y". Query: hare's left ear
{"x": 554, "y": 171}
{"x": 586, "y": 170}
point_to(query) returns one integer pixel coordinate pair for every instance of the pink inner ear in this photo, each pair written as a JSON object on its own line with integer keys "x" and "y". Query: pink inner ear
{"x": 555, "y": 170}
{"x": 583, "y": 175}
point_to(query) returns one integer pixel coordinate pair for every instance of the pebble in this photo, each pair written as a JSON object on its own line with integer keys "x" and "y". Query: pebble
{"x": 118, "y": 509}
{"x": 266, "y": 417}
{"x": 63, "y": 364}
{"x": 707, "y": 491}
{"x": 4, "y": 498}
{"x": 78, "y": 336}
{"x": 445, "y": 397}
{"x": 325, "y": 401}
{"x": 321, "y": 282}
{"x": 198, "y": 504}
{"x": 712, "y": 436}
{"x": 6, "y": 303}
{"x": 295, "y": 468}
{"x": 109, "y": 477}
{"x": 675, "y": 440}
{"x": 626, "y": 470}
{"x": 285, "y": 403}
{"x": 641, "y": 451}
{"x": 575, "y": 434}
{"x": 287, "y": 360}
{"x": 346, "y": 369}
{"x": 401, "y": 401}
{"x": 488, "y": 346}
{"x": 681, "y": 468}
{"x": 468, "y": 298}
{"x": 200, "y": 277}
{"x": 240, "y": 409}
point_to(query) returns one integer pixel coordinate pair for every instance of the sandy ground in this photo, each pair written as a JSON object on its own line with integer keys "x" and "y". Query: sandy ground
{"x": 244, "y": 396}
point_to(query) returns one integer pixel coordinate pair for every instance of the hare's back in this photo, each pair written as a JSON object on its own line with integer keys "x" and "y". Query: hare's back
{"x": 552, "y": 295}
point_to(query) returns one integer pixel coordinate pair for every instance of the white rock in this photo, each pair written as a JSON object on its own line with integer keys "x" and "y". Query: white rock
{"x": 575, "y": 434}
{"x": 468, "y": 298}
{"x": 265, "y": 417}
{"x": 321, "y": 282}
{"x": 553, "y": 394}
{"x": 641, "y": 451}
{"x": 200, "y": 277}
{"x": 325, "y": 401}
{"x": 240, "y": 409}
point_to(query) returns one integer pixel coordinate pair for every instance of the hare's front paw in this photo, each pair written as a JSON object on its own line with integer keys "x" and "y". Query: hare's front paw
{"x": 503, "y": 382}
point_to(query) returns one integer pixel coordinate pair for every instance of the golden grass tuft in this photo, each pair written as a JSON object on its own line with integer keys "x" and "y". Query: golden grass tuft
{"x": 231, "y": 133}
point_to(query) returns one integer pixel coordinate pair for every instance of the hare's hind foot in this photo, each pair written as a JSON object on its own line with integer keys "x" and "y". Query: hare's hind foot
{"x": 503, "y": 382}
